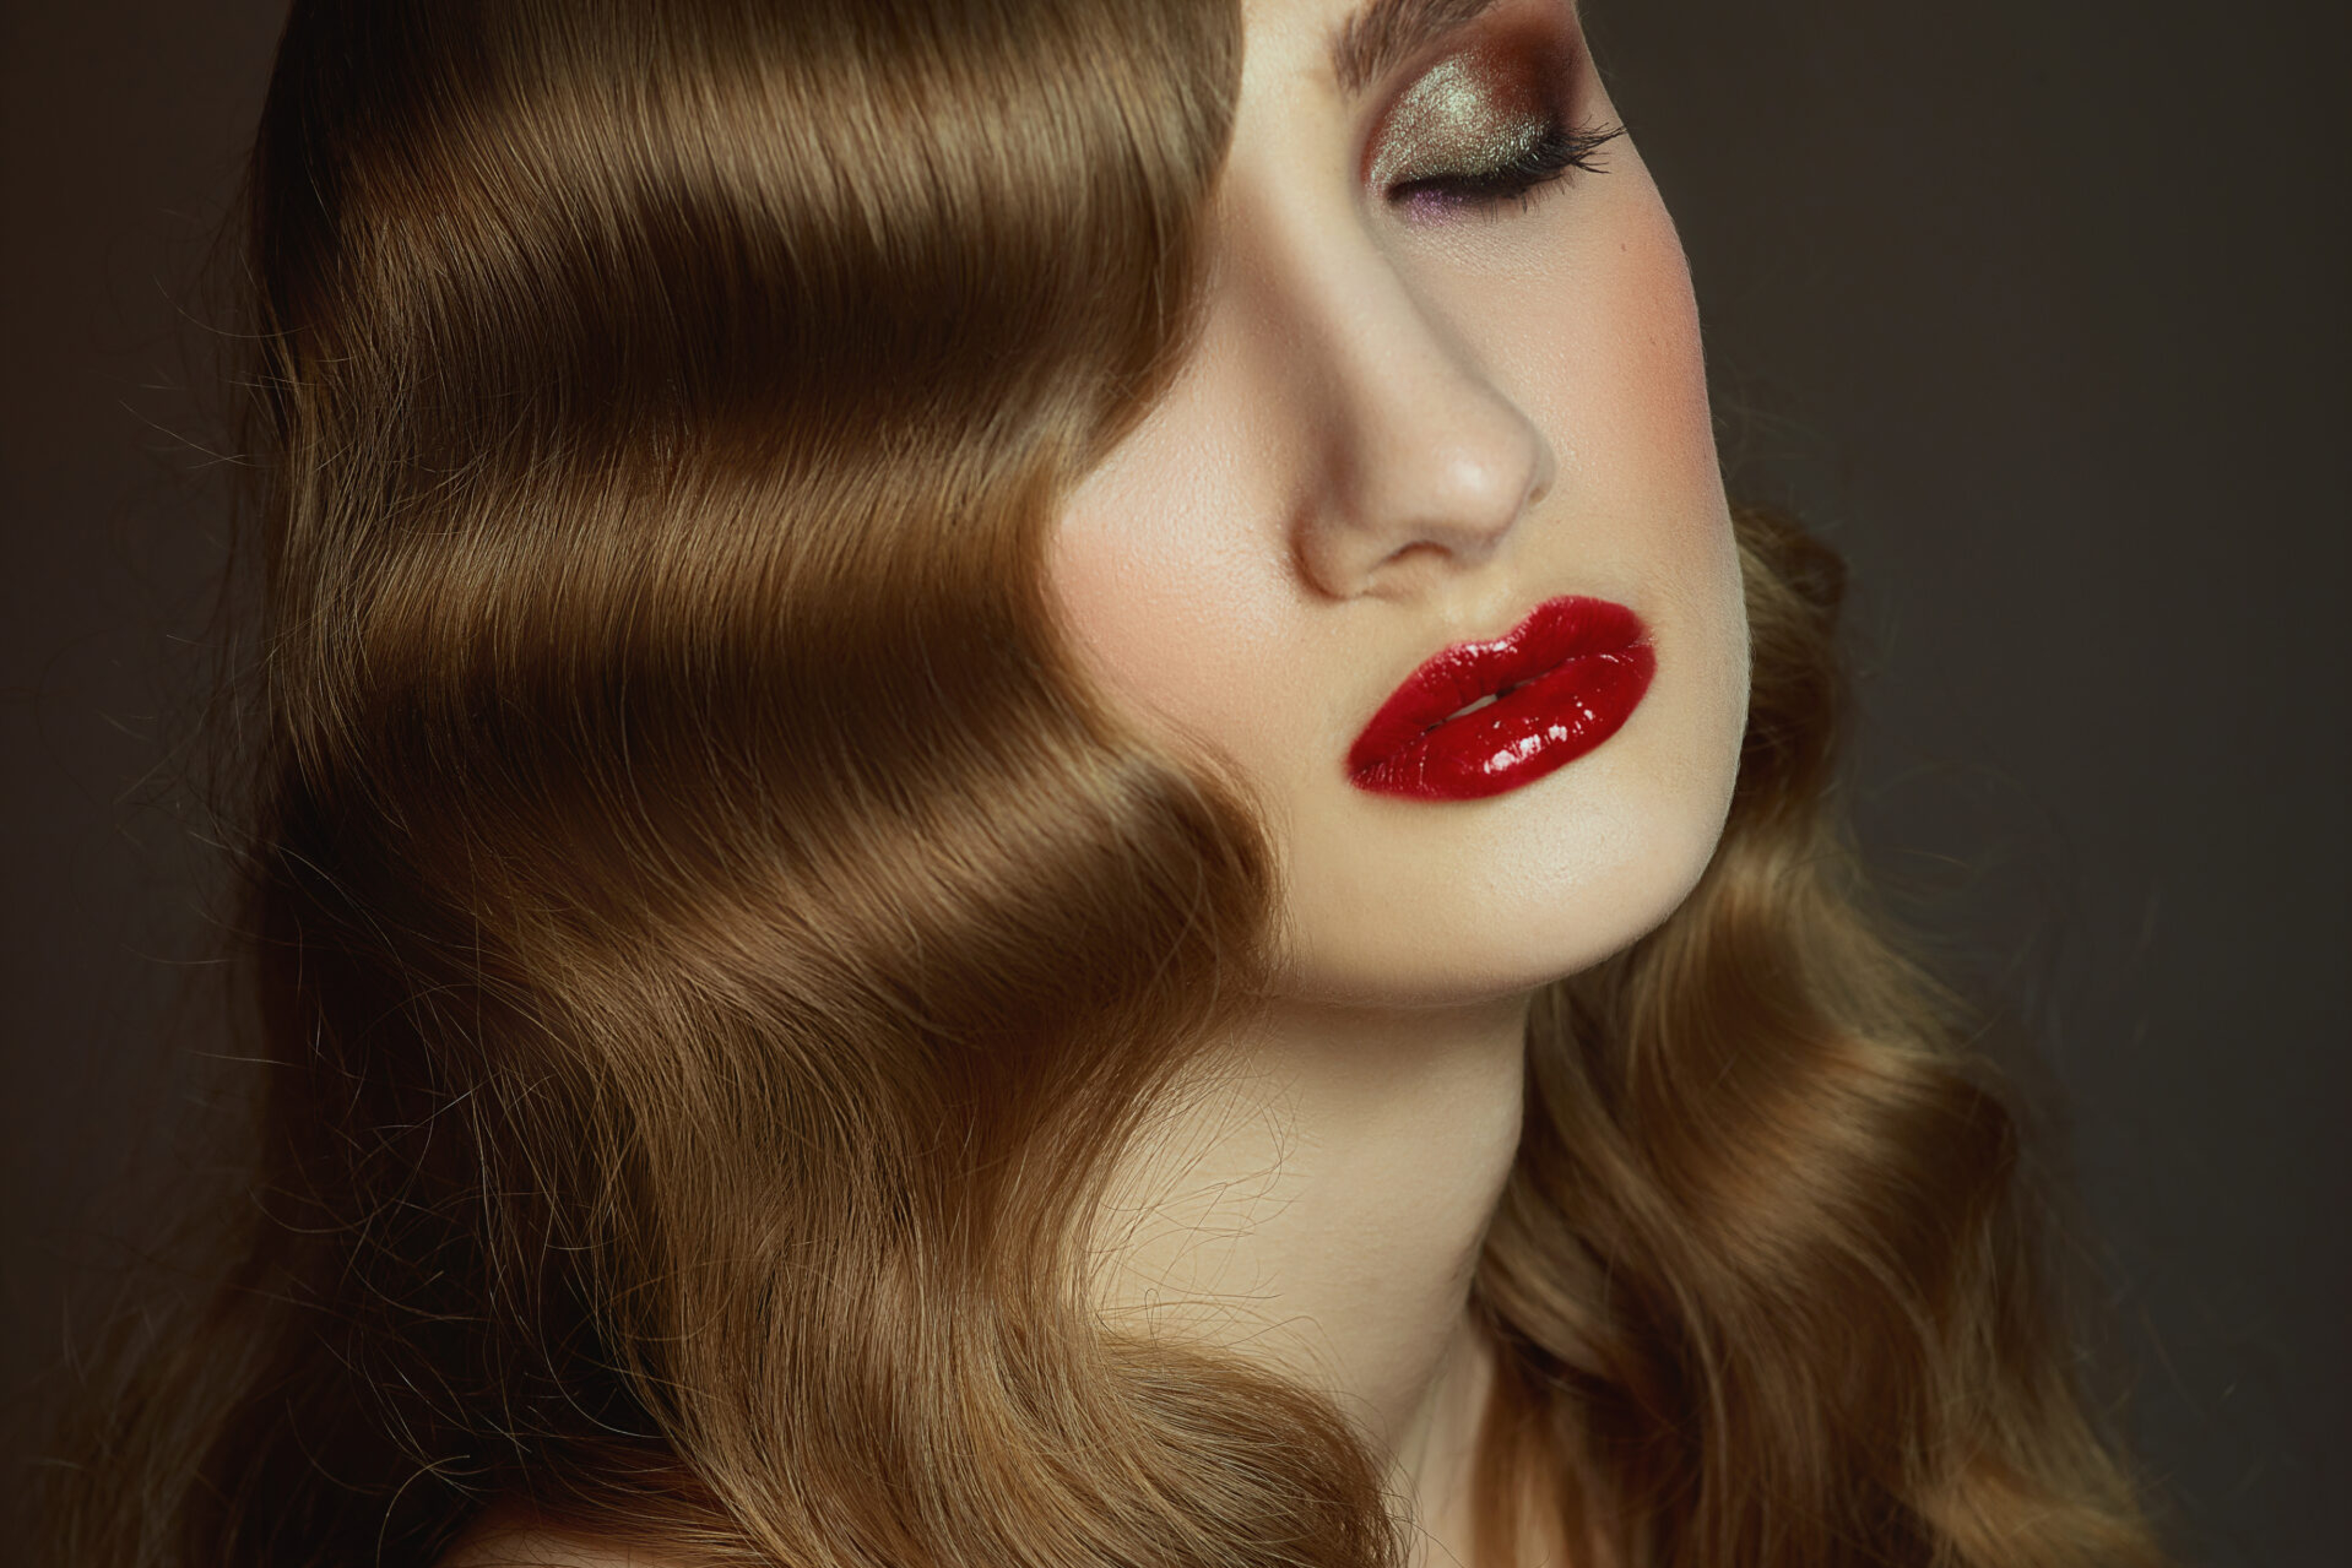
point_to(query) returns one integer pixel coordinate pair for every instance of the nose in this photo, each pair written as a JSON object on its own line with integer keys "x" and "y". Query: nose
{"x": 1415, "y": 459}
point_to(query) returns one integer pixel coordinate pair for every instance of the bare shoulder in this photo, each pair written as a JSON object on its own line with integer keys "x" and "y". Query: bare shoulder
{"x": 512, "y": 1537}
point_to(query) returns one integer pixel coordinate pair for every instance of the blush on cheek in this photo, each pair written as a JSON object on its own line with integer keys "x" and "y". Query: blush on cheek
{"x": 1169, "y": 615}
{"x": 1122, "y": 636}
{"x": 1655, "y": 320}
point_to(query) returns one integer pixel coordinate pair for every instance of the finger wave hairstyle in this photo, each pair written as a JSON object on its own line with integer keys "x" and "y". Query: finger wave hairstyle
{"x": 709, "y": 942}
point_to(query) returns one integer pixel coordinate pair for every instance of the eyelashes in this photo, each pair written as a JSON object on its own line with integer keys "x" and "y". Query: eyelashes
{"x": 1515, "y": 169}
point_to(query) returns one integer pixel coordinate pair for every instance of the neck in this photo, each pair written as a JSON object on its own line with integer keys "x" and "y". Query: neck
{"x": 1316, "y": 1201}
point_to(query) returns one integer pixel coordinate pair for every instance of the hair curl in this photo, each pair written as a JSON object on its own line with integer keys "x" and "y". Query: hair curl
{"x": 709, "y": 942}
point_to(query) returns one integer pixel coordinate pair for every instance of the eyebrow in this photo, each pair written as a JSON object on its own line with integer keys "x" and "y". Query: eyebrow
{"x": 1384, "y": 34}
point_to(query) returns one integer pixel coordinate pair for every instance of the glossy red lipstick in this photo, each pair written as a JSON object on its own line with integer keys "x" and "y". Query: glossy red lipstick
{"x": 1480, "y": 718}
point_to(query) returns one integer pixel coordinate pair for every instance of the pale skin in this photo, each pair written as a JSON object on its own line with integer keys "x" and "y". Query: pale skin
{"x": 1404, "y": 425}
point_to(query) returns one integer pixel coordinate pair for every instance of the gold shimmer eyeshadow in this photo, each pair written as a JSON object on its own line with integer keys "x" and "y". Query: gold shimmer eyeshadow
{"x": 1454, "y": 120}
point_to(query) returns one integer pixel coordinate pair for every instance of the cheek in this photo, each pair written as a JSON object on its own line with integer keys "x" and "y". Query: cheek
{"x": 1643, "y": 432}
{"x": 1171, "y": 612}
{"x": 1602, "y": 347}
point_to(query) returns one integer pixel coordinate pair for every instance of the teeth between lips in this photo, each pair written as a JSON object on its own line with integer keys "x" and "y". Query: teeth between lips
{"x": 1491, "y": 699}
{"x": 1488, "y": 701}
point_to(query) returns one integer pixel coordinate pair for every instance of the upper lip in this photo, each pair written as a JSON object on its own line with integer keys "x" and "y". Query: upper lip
{"x": 1449, "y": 679}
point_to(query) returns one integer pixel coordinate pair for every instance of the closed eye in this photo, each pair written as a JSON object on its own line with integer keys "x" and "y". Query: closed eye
{"x": 1530, "y": 163}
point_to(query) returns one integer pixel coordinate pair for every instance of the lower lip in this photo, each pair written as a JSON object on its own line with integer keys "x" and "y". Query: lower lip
{"x": 1536, "y": 729}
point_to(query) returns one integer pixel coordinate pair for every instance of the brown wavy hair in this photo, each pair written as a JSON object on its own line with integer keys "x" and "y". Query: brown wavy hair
{"x": 710, "y": 943}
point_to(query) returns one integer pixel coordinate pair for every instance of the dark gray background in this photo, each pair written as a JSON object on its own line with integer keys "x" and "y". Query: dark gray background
{"x": 2035, "y": 306}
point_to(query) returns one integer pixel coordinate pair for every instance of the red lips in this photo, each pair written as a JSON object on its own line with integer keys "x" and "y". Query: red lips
{"x": 1562, "y": 681}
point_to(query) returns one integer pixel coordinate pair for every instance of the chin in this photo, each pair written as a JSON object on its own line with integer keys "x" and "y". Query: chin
{"x": 1406, "y": 905}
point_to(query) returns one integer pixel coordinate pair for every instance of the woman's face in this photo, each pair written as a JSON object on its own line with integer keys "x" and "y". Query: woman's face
{"x": 1449, "y": 392}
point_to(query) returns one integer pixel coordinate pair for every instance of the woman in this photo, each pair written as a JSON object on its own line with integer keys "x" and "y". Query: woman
{"x": 1020, "y": 799}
